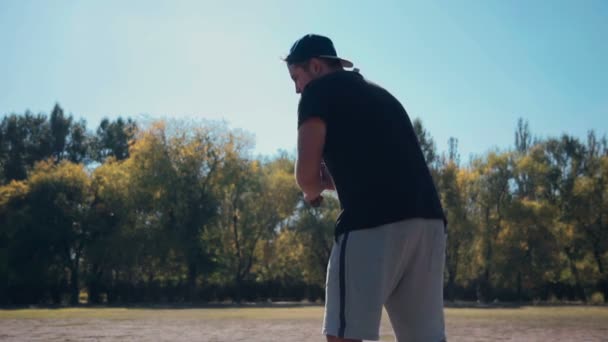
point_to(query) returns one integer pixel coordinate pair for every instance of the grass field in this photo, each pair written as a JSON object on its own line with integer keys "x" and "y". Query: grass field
{"x": 297, "y": 323}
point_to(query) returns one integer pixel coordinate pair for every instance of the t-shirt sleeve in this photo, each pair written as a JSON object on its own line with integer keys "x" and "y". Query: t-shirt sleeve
{"x": 314, "y": 102}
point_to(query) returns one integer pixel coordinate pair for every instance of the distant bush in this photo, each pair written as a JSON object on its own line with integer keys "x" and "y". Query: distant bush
{"x": 597, "y": 298}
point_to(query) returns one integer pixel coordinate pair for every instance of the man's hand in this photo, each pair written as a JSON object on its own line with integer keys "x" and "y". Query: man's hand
{"x": 313, "y": 202}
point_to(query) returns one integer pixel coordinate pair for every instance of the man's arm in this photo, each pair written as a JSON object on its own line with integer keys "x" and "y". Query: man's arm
{"x": 311, "y": 140}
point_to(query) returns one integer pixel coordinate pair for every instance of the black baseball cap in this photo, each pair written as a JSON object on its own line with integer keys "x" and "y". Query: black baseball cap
{"x": 314, "y": 45}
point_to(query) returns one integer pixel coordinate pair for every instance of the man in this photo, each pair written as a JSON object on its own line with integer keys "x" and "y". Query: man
{"x": 355, "y": 137}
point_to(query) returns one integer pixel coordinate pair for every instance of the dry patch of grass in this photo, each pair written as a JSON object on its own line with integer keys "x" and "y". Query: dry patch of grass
{"x": 269, "y": 313}
{"x": 539, "y": 316}
{"x": 301, "y": 323}
{"x": 550, "y": 313}
{"x": 527, "y": 312}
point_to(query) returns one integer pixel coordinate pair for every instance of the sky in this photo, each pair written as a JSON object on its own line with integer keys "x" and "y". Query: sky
{"x": 467, "y": 69}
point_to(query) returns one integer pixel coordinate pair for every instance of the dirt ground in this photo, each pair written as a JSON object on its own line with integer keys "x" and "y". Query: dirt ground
{"x": 288, "y": 324}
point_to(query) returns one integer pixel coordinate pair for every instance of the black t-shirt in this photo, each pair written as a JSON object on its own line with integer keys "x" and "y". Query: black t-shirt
{"x": 371, "y": 151}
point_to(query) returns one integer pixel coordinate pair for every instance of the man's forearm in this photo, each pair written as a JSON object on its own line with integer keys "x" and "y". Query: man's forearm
{"x": 310, "y": 182}
{"x": 311, "y": 139}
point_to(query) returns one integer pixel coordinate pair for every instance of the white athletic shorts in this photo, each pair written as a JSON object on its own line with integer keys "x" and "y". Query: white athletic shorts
{"x": 398, "y": 266}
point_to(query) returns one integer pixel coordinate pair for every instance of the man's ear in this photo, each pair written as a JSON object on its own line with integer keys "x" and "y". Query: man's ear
{"x": 316, "y": 66}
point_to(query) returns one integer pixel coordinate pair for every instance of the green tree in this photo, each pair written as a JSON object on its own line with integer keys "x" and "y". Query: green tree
{"x": 493, "y": 199}
{"x": 112, "y": 238}
{"x": 590, "y": 205}
{"x": 195, "y": 157}
{"x": 60, "y": 129}
{"x": 113, "y": 138}
{"x": 454, "y": 189}
{"x": 60, "y": 201}
{"x": 46, "y": 219}
{"x": 78, "y": 148}
{"x": 566, "y": 156}
{"x": 427, "y": 144}
{"x": 25, "y": 140}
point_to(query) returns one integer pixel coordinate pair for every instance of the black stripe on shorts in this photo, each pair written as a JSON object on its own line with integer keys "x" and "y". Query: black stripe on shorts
{"x": 343, "y": 287}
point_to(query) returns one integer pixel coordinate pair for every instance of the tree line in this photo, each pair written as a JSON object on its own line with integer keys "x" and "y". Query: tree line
{"x": 184, "y": 212}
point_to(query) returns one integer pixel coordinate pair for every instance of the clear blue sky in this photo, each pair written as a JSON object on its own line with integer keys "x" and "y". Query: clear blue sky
{"x": 468, "y": 69}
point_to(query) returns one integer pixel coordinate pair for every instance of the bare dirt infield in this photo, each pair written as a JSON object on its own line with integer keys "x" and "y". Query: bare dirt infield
{"x": 288, "y": 323}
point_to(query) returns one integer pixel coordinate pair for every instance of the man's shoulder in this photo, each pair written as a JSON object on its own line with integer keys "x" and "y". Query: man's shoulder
{"x": 337, "y": 78}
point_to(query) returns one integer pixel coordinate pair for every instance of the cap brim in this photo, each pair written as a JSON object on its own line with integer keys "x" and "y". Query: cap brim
{"x": 345, "y": 63}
